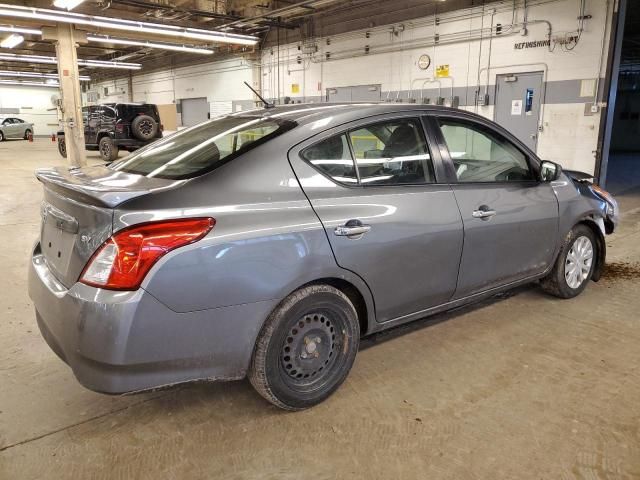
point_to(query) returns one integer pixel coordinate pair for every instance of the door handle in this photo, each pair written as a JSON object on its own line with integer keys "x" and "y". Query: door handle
{"x": 353, "y": 228}
{"x": 484, "y": 214}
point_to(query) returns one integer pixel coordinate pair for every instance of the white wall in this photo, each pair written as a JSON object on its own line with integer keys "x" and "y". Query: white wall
{"x": 33, "y": 103}
{"x": 217, "y": 81}
{"x": 568, "y": 136}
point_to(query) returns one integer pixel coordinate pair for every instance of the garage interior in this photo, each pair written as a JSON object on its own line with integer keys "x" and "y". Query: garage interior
{"x": 519, "y": 386}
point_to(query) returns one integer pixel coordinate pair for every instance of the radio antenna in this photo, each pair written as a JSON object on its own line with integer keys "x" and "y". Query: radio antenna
{"x": 266, "y": 104}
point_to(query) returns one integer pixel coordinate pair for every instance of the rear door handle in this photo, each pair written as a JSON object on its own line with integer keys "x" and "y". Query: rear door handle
{"x": 483, "y": 213}
{"x": 352, "y": 228}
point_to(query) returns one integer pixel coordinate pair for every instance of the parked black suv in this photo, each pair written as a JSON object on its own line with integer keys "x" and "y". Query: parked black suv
{"x": 113, "y": 126}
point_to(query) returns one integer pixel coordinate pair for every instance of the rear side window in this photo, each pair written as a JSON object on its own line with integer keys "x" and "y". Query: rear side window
{"x": 392, "y": 152}
{"x": 332, "y": 157}
{"x": 202, "y": 148}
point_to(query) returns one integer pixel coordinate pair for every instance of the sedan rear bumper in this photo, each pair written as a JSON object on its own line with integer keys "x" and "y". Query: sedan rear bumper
{"x": 118, "y": 342}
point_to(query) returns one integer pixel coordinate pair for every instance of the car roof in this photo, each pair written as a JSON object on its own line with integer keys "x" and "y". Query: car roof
{"x": 303, "y": 113}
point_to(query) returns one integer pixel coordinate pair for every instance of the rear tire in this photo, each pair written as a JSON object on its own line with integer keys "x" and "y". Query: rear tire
{"x": 306, "y": 348}
{"x": 144, "y": 128}
{"x": 575, "y": 264}
{"x": 108, "y": 149}
{"x": 1, "y": 137}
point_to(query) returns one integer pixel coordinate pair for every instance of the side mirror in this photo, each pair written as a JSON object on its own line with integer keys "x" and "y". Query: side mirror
{"x": 549, "y": 171}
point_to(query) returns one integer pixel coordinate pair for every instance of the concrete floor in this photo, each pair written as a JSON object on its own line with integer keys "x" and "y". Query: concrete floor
{"x": 524, "y": 386}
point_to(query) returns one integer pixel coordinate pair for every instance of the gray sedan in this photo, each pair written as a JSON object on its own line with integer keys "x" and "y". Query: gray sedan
{"x": 267, "y": 243}
{"x": 15, "y": 128}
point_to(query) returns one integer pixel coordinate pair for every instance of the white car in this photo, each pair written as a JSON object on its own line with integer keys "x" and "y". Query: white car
{"x": 11, "y": 127}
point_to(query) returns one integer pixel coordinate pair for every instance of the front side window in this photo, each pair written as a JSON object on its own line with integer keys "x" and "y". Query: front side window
{"x": 202, "y": 148}
{"x": 391, "y": 153}
{"x": 480, "y": 155}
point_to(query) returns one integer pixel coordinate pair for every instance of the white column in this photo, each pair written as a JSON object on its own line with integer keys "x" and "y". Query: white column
{"x": 71, "y": 105}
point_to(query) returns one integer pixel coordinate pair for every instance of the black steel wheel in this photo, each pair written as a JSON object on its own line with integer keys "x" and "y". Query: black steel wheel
{"x": 306, "y": 348}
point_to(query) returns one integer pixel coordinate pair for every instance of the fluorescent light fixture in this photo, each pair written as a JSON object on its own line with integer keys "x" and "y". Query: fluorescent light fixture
{"x": 28, "y": 83}
{"x": 12, "y": 57}
{"x": 164, "y": 46}
{"x": 54, "y": 76}
{"x": 16, "y": 11}
{"x": 67, "y": 4}
{"x": 12, "y": 40}
{"x": 30, "y": 31}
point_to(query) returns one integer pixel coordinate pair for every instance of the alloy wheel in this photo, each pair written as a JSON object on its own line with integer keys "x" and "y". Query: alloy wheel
{"x": 146, "y": 127}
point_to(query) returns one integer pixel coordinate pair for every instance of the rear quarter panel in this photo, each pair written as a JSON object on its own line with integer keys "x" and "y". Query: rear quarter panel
{"x": 266, "y": 243}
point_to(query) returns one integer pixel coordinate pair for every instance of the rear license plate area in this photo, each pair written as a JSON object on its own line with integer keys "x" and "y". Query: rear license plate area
{"x": 57, "y": 246}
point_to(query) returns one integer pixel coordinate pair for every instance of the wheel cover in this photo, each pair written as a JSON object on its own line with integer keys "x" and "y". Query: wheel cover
{"x": 578, "y": 262}
{"x": 311, "y": 348}
{"x": 63, "y": 148}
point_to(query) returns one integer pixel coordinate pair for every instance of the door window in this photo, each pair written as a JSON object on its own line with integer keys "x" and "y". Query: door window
{"x": 391, "y": 153}
{"x": 481, "y": 155}
{"x": 332, "y": 157}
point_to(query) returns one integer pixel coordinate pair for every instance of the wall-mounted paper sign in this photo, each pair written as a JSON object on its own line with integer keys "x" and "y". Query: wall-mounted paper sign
{"x": 295, "y": 88}
{"x": 516, "y": 107}
{"x": 442, "y": 71}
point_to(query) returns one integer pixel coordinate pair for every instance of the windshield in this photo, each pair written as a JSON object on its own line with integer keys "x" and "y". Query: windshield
{"x": 202, "y": 148}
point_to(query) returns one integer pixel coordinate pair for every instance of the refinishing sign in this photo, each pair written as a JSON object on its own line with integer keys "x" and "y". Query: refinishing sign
{"x": 533, "y": 44}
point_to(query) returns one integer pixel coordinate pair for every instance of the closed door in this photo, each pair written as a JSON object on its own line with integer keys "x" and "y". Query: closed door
{"x": 194, "y": 111}
{"x": 355, "y": 93}
{"x": 517, "y": 109}
{"x": 10, "y": 128}
{"x": 93, "y": 124}
{"x": 510, "y": 217}
{"x": 374, "y": 189}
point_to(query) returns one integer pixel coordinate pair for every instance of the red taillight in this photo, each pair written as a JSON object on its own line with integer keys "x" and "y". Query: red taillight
{"x": 119, "y": 127}
{"x": 122, "y": 262}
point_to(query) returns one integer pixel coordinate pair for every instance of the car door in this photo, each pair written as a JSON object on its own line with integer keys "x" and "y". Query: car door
{"x": 20, "y": 126}
{"x": 11, "y": 128}
{"x": 92, "y": 125}
{"x": 374, "y": 186}
{"x": 510, "y": 216}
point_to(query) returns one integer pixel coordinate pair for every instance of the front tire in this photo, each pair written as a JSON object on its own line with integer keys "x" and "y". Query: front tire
{"x": 27, "y": 132}
{"x": 575, "y": 264}
{"x": 306, "y": 348}
{"x": 62, "y": 147}
{"x": 108, "y": 149}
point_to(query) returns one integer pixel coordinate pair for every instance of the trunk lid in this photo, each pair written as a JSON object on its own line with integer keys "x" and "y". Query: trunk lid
{"x": 77, "y": 213}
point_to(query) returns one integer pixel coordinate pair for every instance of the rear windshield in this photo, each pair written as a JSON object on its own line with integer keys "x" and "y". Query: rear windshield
{"x": 127, "y": 111}
{"x": 202, "y": 148}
